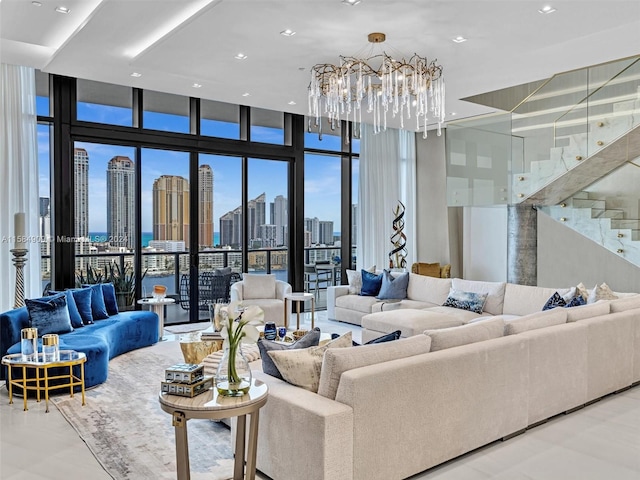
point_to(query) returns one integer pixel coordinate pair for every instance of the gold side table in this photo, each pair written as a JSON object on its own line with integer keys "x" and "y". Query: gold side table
{"x": 40, "y": 384}
{"x": 194, "y": 348}
{"x": 211, "y": 405}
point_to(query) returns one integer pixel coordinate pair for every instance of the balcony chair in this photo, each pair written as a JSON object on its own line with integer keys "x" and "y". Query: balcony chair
{"x": 264, "y": 291}
{"x": 213, "y": 287}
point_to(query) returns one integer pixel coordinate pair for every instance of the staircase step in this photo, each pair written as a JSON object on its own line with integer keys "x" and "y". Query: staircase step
{"x": 581, "y": 195}
{"x": 602, "y": 213}
{"x": 625, "y": 223}
{"x": 588, "y": 203}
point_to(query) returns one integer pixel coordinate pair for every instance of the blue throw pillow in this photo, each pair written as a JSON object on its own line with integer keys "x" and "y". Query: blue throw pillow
{"x": 371, "y": 284}
{"x": 474, "y": 302}
{"x": 393, "y": 288}
{"x": 74, "y": 313}
{"x": 98, "y": 308}
{"x": 384, "y": 338}
{"x": 49, "y": 314}
{"x": 110, "y": 300}
{"x": 576, "y": 301}
{"x": 554, "y": 301}
{"x": 82, "y": 296}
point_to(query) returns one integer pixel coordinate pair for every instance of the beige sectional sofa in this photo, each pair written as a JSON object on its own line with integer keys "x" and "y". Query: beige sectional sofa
{"x": 393, "y": 419}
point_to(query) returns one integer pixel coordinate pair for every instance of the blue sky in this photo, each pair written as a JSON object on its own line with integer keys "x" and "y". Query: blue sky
{"x": 322, "y": 172}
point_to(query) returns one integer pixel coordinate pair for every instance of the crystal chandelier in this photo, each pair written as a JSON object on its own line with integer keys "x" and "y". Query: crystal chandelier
{"x": 377, "y": 84}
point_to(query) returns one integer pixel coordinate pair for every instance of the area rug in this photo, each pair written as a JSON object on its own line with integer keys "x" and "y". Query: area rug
{"x": 187, "y": 328}
{"x": 130, "y": 435}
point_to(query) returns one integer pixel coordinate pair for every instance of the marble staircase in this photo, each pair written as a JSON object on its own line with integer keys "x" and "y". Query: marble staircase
{"x": 608, "y": 227}
{"x": 580, "y": 159}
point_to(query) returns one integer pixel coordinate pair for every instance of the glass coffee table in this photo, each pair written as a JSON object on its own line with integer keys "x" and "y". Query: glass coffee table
{"x": 41, "y": 383}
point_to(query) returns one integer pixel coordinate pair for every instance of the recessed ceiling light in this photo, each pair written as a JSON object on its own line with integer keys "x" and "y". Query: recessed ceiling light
{"x": 547, "y": 9}
{"x": 36, "y": 4}
{"x": 288, "y": 32}
{"x": 240, "y": 56}
{"x": 196, "y": 85}
{"x": 351, "y": 2}
{"x": 292, "y": 102}
{"x": 136, "y": 74}
{"x": 246, "y": 94}
{"x": 459, "y": 39}
{"x": 64, "y": 10}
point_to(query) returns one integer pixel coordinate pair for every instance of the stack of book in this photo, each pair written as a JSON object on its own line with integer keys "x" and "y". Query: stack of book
{"x": 209, "y": 335}
{"x": 186, "y": 380}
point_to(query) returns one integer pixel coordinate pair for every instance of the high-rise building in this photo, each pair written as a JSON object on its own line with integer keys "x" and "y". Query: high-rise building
{"x": 231, "y": 223}
{"x": 256, "y": 210}
{"x": 121, "y": 190}
{"x": 268, "y": 235}
{"x": 205, "y": 212}
{"x": 313, "y": 225}
{"x": 81, "y": 192}
{"x": 171, "y": 208}
{"x": 325, "y": 232}
{"x": 280, "y": 219}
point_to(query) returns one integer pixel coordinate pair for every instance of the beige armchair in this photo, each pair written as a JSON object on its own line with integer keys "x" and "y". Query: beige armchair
{"x": 264, "y": 291}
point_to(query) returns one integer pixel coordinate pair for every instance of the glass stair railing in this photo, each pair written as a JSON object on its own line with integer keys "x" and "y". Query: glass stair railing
{"x": 609, "y": 227}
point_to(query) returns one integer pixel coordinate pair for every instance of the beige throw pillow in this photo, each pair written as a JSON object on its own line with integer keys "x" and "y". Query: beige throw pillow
{"x": 258, "y": 286}
{"x": 601, "y": 292}
{"x": 339, "y": 360}
{"x": 465, "y": 334}
{"x": 302, "y": 367}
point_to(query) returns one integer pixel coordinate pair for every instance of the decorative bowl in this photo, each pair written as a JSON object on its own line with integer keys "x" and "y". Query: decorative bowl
{"x": 298, "y": 334}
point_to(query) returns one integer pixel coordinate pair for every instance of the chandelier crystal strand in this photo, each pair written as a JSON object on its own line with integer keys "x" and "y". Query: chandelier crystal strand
{"x": 404, "y": 87}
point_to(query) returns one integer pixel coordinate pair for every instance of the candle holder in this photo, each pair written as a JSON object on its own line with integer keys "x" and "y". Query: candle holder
{"x": 50, "y": 348}
{"x": 29, "y": 344}
{"x": 19, "y": 259}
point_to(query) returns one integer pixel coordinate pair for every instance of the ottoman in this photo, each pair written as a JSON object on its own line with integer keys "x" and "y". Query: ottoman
{"x": 409, "y": 321}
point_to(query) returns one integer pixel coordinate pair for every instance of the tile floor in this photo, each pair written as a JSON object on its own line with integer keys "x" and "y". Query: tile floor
{"x": 598, "y": 442}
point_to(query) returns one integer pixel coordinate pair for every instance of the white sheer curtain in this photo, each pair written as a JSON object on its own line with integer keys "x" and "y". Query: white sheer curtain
{"x": 387, "y": 175}
{"x": 19, "y": 179}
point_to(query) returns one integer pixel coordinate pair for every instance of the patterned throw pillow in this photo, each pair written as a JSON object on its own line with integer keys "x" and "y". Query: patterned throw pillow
{"x": 311, "y": 339}
{"x": 601, "y": 292}
{"x": 302, "y": 367}
{"x": 554, "y": 301}
{"x": 393, "y": 288}
{"x": 465, "y": 300}
{"x": 354, "y": 278}
{"x": 576, "y": 301}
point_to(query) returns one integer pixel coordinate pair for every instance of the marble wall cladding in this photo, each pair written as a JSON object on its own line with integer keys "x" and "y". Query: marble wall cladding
{"x": 603, "y": 230}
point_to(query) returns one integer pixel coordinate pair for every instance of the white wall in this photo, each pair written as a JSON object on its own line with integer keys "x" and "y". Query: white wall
{"x": 485, "y": 243}
{"x": 432, "y": 215}
{"x": 566, "y": 258}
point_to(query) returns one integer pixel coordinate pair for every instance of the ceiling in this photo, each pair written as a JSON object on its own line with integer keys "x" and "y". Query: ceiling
{"x": 175, "y": 44}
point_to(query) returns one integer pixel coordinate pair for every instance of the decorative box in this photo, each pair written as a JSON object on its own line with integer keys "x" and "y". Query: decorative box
{"x": 184, "y": 373}
{"x": 186, "y": 389}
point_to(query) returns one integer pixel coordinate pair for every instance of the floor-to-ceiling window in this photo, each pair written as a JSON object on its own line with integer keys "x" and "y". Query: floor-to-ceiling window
{"x": 248, "y": 185}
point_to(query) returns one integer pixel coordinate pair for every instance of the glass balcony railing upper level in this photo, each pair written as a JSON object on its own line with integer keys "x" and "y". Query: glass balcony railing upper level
{"x": 504, "y": 158}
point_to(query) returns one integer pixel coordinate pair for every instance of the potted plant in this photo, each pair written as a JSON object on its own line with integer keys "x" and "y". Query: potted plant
{"x": 123, "y": 280}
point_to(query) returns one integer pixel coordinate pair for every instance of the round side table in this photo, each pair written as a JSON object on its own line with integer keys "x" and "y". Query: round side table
{"x": 211, "y": 405}
{"x": 157, "y": 307}
{"x": 299, "y": 297}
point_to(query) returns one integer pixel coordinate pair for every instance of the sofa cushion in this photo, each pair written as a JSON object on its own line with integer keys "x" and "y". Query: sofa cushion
{"x": 371, "y": 283}
{"x": 302, "y": 367}
{"x": 49, "y": 314}
{"x": 428, "y": 289}
{"x": 258, "y": 286}
{"x": 428, "y": 269}
{"x": 98, "y": 308}
{"x": 110, "y": 300}
{"x": 470, "y": 301}
{"x": 354, "y": 278}
{"x": 356, "y": 302}
{"x": 588, "y": 311}
{"x": 525, "y": 299}
{"x": 339, "y": 360}
{"x": 623, "y": 304}
{"x": 494, "y": 290}
{"x": 393, "y": 288}
{"x": 311, "y": 339}
{"x": 414, "y": 304}
{"x": 82, "y": 297}
{"x": 465, "y": 334}
{"x": 74, "y": 313}
{"x": 409, "y": 322}
{"x": 548, "y": 318}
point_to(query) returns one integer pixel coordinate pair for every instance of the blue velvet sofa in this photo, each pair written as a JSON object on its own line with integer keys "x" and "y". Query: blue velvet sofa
{"x": 100, "y": 341}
